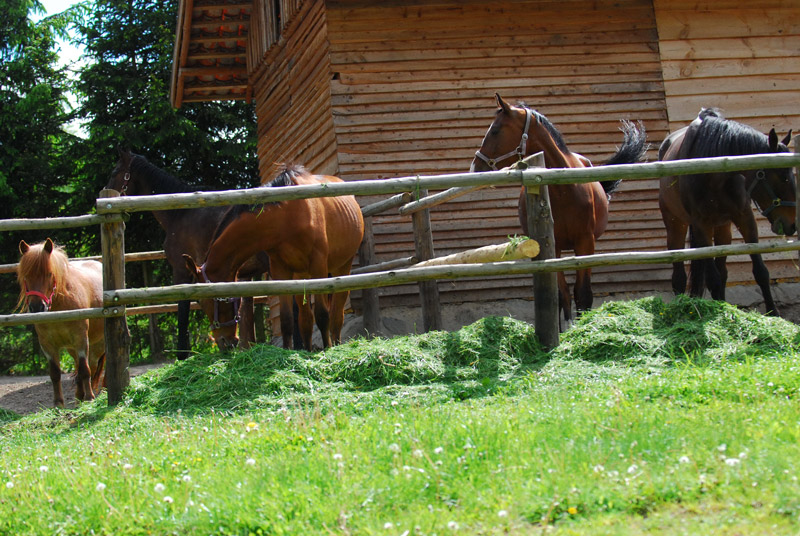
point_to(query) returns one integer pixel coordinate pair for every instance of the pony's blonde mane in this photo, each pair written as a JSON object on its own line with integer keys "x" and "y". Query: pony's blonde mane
{"x": 37, "y": 261}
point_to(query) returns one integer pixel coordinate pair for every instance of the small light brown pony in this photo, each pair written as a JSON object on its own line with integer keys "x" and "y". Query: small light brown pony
{"x": 304, "y": 238}
{"x": 580, "y": 211}
{"x": 50, "y": 282}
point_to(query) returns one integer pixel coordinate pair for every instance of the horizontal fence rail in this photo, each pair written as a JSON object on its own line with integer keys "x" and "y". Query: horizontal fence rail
{"x": 453, "y": 271}
{"x": 537, "y": 176}
{"x": 129, "y": 257}
{"x": 64, "y": 222}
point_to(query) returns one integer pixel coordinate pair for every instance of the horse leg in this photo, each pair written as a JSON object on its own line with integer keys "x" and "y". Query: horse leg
{"x": 322, "y": 316}
{"x": 54, "y": 369}
{"x": 183, "y": 329}
{"x": 83, "y": 376}
{"x": 247, "y": 334}
{"x": 676, "y": 239}
{"x": 704, "y": 272}
{"x": 564, "y": 299}
{"x": 287, "y": 322}
{"x": 749, "y": 230}
{"x": 305, "y": 320}
{"x": 337, "y": 315}
{"x": 583, "y": 279}
{"x": 722, "y": 237}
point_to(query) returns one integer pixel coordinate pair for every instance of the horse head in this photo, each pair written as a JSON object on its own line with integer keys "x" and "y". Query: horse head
{"x": 506, "y": 140}
{"x": 39, "y": 277}
{"x": 120, "y": 179}
{"x": 223, "y": 313}
{"x": 773, "y": 190}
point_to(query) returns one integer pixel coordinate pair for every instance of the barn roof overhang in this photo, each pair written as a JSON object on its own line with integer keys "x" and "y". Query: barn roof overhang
{"x": 210, "y": 59}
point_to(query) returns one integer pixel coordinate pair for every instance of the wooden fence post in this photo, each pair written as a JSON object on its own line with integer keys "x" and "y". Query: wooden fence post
{"x": 545, "y": 285}
{"x": 429, "y": 290}
{"x": 370, "y": 302}
{"x": 797, "y": 191}
{"x": 118, "y": 338}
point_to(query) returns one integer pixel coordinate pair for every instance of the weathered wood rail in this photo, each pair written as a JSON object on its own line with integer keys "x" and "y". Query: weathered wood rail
{"x": 116, "y": 298}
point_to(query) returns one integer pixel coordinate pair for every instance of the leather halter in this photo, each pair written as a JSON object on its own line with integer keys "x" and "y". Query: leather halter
{"x": 47, "y": 300}
{"x": 761, "y": 176}
{"x": 519, "y": 150}
{"x": 215, "y": 324}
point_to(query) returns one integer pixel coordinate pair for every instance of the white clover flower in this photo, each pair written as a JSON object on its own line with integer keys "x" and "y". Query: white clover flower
{"x": 452, "y": 525}
{"x": 9, "y": 484}
{"x": 168, "y": 499}
{"x": 722, "y": 448}
{"x": 43, "y": 468}
{"x": 438, "y": 450}
{"x": 100, "y": 486}
{"x": 502, "y": 513}
{"x": 127, "y": 467}
{"x": 394, "y": 447}
{"x": 598, "y": 468}
{"x": 683, "y": 459}
{"x": 632, "y": 469}
{"x": 732, "y": 461}
{"x": 337, "y": 456}
{"x": 742, "y": 455}
{"x": 250, "y": 461}
{"x": 387, "y": 525}
{"x": 417, "y": 453}
{"x": 394, "y": 402}
{"x": 187, "y": 478}
{"x": 160, "y": 488}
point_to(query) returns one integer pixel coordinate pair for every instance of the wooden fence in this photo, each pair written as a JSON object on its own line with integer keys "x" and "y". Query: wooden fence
{"x": 111, "y": 208}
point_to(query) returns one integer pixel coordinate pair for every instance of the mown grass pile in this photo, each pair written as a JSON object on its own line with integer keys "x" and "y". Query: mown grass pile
{"x": 648, "y": 418}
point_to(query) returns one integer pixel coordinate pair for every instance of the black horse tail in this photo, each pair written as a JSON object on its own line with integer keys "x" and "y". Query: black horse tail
{"x": 633, "y": 149}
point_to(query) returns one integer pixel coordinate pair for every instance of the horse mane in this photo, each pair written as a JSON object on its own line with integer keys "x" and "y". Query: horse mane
{"x": 717, "y": 136}
{"x": 36, "y": 261}
{"x": 550, "y": 127}
{"x": 287, "y": 176}
{"x": 161, "y": 181}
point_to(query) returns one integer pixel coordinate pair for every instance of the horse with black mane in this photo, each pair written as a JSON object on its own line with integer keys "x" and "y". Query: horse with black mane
{"x": 707, "y": 204}
{"x": 188, "y": 232}
{"x": 580, "y": 211}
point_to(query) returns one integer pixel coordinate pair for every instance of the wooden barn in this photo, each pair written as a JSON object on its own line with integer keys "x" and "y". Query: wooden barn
{"x": 371, "y": 89}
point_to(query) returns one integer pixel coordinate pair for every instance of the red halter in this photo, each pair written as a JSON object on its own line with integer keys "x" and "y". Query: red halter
{"x": 48, "y": 300}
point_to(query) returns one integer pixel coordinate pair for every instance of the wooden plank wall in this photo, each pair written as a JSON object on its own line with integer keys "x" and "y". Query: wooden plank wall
{"x": 413, "y": 93}
{"x": 743, "y": 58}
{"x": 295, "y": 122}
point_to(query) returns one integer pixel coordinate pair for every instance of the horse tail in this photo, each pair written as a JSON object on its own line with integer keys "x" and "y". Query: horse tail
{"x": 633, "y": 149}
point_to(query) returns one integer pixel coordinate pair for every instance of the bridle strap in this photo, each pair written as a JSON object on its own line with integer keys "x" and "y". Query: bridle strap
{"x": 215, "y": 324}
{"x": 761, "y": 176}
{"x": 519, "y": 151}
{"x": 47, "y": 300}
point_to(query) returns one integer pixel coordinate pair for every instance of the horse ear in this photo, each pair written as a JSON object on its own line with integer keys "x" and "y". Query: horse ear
{"x": 23, "y": 247}
{"x": 191, "y": 266}
{"x": 773, "y": 140}
{"x": 503, "y": 105}
{"x": 48, "y": 246}
{"x": 788, "y": 138}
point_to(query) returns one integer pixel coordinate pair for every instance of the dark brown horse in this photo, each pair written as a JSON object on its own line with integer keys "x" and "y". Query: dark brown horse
{"x": 304, "y": 238}
{"x": 188, "y": 231}
{"x": 707, "y": 204}
{"x": 580, "y": 211}
{"x": 48, "y": 281}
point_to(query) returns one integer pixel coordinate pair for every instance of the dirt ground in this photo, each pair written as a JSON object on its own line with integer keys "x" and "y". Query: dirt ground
{"x": 29, "y": 394}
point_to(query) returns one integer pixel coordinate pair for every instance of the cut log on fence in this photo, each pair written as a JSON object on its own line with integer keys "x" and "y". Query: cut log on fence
{"x": 526, "y": 249}
{"x": 386, "y": 204}
{"x": 403, "y": 262}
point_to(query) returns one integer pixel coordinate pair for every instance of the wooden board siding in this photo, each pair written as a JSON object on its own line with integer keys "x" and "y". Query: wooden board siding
{"x": 413, "y": 93}
{"x": 295, "y": 122}
{"x": 744, "y": 60}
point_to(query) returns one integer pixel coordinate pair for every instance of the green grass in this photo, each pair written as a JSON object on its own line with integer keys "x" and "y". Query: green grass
{"x": 649, "y": 418}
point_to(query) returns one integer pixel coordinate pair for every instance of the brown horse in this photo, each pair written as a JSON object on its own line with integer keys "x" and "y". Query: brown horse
{"x": 580, "y": 211}
{"x": 304, "y": 238}
{"x": 49, "y": 282}
{"x": 188, "y": 231}
{"x": 707, "y": 204}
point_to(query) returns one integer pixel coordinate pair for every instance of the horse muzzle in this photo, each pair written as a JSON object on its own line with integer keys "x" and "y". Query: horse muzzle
{"x": 226, "y": 344}
{"x": 783, "y": 228}
{"x": 37, "y": 307}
